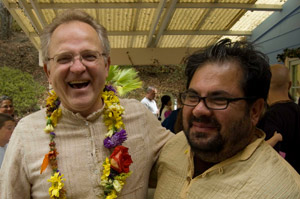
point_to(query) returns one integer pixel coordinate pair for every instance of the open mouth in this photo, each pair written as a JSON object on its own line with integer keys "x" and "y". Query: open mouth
{"x": 78, "y": 84}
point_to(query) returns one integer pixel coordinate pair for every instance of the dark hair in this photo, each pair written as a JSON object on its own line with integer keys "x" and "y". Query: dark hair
{"x": 164, "y": 101}
{"x": 5, "y": 117}
{"x": 4, "y": 97}
{"x": 254, "y": 64}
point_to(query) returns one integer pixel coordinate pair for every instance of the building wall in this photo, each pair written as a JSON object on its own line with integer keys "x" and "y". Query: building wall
{"x": 280, "y": 31}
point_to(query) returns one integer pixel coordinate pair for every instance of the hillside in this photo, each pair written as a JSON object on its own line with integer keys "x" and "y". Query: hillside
{"x": 18, "y": 52}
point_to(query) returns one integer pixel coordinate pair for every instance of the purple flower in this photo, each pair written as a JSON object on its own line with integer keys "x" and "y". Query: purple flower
{"x": 57, "y": 102}
{"x": 110, "y": 88}
{"x": 117, "y": 139}
{"x": 52, "y": 134}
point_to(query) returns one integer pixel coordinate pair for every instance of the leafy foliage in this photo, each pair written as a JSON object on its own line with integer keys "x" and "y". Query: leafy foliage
{"x": 124, "y": 80}
{"x": 21, "y": 86}
{"x": 291, "y": 53}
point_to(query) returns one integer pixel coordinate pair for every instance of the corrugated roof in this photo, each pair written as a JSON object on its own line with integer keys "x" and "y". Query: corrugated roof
{"x": 153, "y": 23}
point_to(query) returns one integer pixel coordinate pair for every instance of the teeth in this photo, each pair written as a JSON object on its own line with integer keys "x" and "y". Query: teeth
{"x": 78, "y": 82}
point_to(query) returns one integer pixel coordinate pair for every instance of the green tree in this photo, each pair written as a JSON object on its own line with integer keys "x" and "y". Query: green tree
{"x": 21, "y": 86}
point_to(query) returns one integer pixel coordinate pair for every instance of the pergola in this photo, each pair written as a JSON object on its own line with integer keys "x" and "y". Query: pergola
{"x": 152, "y": 32}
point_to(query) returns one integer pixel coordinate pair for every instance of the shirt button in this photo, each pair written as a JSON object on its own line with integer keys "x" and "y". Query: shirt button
{"x": 86, "y": 123}
{"x": 188, "y": 179}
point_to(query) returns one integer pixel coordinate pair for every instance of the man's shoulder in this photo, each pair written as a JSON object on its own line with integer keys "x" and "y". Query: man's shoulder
{"x": 129, "y": 102}
{"x": 282, "y": 111}
{"x": 145, "y": 100}
{"x": 36, "y": 116}
{"x": 29, "y": 125}
{"x": 272, "y": 166}
{"x": 177, "y": 144}
{"x": 132, "y": 104}
{"x": 284, "y": 106}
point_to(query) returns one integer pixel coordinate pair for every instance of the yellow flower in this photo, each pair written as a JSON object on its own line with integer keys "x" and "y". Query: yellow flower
{"x": 56, "y": 186}
{"x": 51, "y": 99}
{"x": 112, "y": 195}
{"x": 109, "y": 133}
{"x": 54, "y": 116}
{"x": 122, "y": 177}
{"x": 118, "y": 185}
{"x": 106, "y": 170}
{"x": 49, "y": 128}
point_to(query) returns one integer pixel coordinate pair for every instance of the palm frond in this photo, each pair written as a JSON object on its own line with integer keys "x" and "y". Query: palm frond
{"x": 124, "y": 80}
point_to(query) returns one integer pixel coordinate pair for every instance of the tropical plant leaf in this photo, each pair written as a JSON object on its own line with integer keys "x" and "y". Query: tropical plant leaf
{"x": 124, "y": 80}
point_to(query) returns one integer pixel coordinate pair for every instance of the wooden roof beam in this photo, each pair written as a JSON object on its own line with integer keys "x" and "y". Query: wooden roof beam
{"x": 38, "y": 12}
{"x": 157, "y": 15}
{"x": 21, "y": 24}
{"x": 174, "y": 32}
{"x": 84, "y": 5}
{"x": 167, "y": 17}
{"x": 31, "y": 16}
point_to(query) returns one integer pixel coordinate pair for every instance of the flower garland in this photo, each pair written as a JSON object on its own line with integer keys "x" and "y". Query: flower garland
{"x": 115, "y": 168}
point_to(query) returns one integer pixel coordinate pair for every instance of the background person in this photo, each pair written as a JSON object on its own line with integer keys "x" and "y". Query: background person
{"x": 221, "y": 153}
{"x": 166, "y": 107}
{"x": 174, "y": 121}
{"x": 6, "y": 105}
{"x": 91, "y": 139}
{"x": 282, "y": 117}
{"x": 7, "y": 125}
{"x": 149, "y": 100}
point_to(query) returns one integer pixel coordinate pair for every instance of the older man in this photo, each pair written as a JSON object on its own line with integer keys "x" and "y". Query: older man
{"x": 94, "y": 144}
{"x": 149, "y": 100}
{"x": 221, "y": 154}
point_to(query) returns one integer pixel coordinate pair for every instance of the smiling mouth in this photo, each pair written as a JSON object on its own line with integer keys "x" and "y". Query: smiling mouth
{"x": 78, "y": 84}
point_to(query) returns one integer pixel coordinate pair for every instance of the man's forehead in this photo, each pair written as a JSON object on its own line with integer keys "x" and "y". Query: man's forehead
{"x": 217, "y": 78}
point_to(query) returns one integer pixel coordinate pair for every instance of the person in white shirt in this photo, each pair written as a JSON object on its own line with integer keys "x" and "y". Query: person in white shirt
{"x": 149, "y": 101}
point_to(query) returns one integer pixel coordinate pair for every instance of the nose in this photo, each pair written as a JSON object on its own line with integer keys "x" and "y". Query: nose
{"x": 77, "y": 66}
{"x": 201, "y": 109}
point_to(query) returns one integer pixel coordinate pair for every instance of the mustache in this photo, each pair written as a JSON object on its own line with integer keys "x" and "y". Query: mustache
{"x": 206, "y": 120}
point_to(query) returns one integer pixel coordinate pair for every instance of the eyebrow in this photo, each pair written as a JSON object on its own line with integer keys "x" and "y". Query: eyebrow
{"x": 214, "y": 93}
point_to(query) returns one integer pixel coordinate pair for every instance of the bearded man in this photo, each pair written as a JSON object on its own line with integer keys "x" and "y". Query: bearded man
{"x": 221, "y": 153}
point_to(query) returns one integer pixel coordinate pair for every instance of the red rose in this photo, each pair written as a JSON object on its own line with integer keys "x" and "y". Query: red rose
{"x": 120, "y": 159}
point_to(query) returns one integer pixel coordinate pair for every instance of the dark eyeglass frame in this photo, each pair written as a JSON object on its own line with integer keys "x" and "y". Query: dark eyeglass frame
{"x": 7, "y": 106}
{"x": 228, "y": 100}
{"x": 81, "y": 54}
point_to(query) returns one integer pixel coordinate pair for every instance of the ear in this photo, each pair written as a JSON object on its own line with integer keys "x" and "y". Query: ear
{"x": 47, "y": 72}
{"x": 256, "y": 111}
{"x": 290, "y": 85}
{"x": 107, "y": 64}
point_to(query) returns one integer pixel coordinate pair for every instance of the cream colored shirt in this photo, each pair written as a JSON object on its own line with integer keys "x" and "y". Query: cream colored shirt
{"x": 81, "y": 154}
{"x": 257, "y": 172}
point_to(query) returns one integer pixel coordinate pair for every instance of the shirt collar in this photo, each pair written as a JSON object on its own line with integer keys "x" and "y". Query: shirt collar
{"x": 243, "y": 155}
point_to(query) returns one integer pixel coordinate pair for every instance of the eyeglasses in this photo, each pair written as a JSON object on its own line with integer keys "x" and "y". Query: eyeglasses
{"x": 211, "y": 102}
{"x": 7, "y": 106}
{"x": 87, "y": 58}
